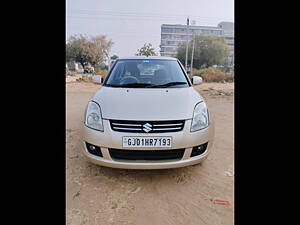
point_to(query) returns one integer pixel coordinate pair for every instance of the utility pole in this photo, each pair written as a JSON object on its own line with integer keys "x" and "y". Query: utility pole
{"x": 192, "y": 59}
{"x": 108, "y": 61}
{"x": 187, "y": 44}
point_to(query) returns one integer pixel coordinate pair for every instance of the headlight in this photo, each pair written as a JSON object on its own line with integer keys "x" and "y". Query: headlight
{"x": 200, "y": 117}
{"x": 93, "y": 117}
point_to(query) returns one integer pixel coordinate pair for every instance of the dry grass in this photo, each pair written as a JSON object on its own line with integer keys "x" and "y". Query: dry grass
{"x": 101, "y": 72}
{"x": 85, "y": 78}
{"x": 213, "y": 75}
{"x": 70, "y": 73}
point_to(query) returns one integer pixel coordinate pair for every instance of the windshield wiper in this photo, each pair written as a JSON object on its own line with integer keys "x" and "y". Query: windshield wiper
{"x": 131, "y": 85}
{"x": 147, "y": 85}
{"x": 168, "y": 84}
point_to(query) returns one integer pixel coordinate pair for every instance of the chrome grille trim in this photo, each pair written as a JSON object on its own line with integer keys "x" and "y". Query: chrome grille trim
{"x": 126, "y": 124}
{"x": 166, "y": 125}
{"x": 133, "y": 126}
{"x": 169, "y": 128}
{"x": 127, "y": 128}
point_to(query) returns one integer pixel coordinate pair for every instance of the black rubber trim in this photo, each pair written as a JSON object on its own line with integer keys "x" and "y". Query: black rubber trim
{"x": 146, "y": 154}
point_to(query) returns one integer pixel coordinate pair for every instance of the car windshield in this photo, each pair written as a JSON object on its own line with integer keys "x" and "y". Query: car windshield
{"x": 147, "y": 73}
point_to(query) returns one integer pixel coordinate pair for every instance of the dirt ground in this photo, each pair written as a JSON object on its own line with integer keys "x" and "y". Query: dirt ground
{"x": 98, "y": 195}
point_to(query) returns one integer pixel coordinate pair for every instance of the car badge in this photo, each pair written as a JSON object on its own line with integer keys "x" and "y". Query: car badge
{"x": 147, "y": 127}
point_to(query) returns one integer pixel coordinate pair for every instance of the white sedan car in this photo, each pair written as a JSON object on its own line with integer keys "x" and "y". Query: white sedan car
{"x": 147, "y": 115}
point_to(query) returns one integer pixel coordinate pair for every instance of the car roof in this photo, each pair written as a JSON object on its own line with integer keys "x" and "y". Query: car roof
{"x": 148, "y": 57}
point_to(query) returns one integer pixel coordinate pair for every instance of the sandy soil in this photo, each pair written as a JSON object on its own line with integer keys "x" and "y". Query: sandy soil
{"x": 98, "y": 195}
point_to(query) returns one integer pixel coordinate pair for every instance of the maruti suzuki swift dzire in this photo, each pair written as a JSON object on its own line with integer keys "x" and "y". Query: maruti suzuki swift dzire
{"x": 147, "y": 115}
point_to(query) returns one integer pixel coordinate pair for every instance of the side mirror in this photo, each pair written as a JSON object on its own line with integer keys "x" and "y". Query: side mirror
{"x": 97, "y": 79}
{"x": 196, "y": 80}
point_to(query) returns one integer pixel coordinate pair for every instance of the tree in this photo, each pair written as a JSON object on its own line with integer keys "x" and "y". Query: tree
{"x": 99, "y": 49}
{"x": 146, "y": 50}
{"x": 76, "y": 50}
{"x": 209, "y": 50}
{"x": 83, "y": 49}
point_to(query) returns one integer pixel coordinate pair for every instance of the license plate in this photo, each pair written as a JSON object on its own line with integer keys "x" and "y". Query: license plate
{"x": 147, "y": 142}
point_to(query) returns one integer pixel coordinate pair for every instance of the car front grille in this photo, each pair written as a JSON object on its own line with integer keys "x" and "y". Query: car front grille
{"x": 147, "y": 126}
{"x": 146, "y": 154}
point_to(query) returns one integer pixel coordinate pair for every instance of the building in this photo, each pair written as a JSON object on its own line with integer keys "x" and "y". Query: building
{"x": 174, "y": 34}
{"x": 228, "y": 33}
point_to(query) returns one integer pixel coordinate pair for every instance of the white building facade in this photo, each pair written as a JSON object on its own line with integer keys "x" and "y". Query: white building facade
{"x": 174, "y": 34}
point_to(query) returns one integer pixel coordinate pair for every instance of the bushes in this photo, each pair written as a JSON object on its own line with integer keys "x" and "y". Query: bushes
{"x": 213, "y": 75}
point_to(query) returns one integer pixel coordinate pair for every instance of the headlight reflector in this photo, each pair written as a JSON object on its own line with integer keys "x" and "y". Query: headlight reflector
{"x": 93, "y": 117}
{"x": 200, "y": 117}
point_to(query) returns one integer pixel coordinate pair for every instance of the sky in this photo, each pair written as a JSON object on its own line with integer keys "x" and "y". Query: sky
{"x": 132, "y": 23}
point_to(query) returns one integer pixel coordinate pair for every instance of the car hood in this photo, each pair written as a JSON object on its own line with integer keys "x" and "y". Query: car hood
{"x": 147, "y": 103}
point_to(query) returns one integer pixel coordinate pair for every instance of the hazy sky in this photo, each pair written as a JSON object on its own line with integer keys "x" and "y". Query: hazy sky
{"x": 131, "y": 23}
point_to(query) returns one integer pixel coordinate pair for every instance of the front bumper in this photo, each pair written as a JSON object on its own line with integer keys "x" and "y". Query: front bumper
{"x": 112, "y": 139}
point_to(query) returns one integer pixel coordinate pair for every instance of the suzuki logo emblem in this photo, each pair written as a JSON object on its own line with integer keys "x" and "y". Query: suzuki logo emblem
{"x": 147, "y": 127}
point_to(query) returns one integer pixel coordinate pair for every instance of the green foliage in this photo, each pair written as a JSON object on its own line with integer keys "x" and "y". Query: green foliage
{"x": 146, "y": 50}
{"x": 209, "y": 50}
{"x": 213, "y": 75}
{"x": 85, "y": 50}
{"x": 101, "y": 66}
